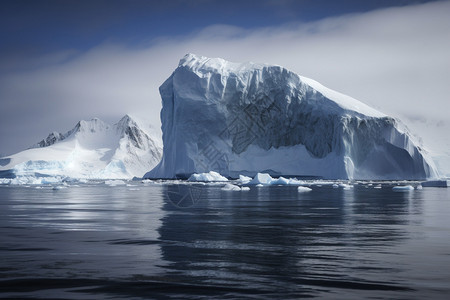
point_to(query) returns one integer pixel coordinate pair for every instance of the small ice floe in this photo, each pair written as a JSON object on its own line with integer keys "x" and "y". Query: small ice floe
{"x": 335, "y": 186}
{"x": 231, "y": 187}
{"x": 377, "y": 186}
{"x": 58, "y": 187}
{"x": 244, "y": 179}
{"x": 302, "y": 189}
{"x": 345, "y": 186}
{"x": 259, "y": 185}
{"x": 280, "y": 181}
{"x": 403, "y": 188}
{"x": 207, "y": 177}
{"x": 261, "y": 178}
{"x": 295, "y": 181}
{"x": 419, "y": 187}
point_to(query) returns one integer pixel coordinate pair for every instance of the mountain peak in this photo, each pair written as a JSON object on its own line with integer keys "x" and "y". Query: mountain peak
{"x": 52, "y": 138}
{"x": 126, "y": 120}
{"x": 93, "y": 125}
{"x": 91, "y": 149}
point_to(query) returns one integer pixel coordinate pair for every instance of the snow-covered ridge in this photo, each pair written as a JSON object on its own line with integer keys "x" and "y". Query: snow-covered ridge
{"x": 249, "y": 118}
{"x": 92, "y": 149}
{"x": 205, "y": 67}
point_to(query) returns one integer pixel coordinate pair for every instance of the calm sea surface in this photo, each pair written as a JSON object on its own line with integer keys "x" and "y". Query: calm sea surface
{"x": 132, "y": 242}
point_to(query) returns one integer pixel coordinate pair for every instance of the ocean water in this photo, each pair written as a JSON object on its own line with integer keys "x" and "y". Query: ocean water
{"x": 137, "y": 241}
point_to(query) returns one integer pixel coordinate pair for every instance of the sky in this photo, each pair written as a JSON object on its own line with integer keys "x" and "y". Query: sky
{"x": 63, "y": 61}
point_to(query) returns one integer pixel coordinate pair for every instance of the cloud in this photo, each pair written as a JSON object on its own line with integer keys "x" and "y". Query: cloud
{"x": 394, "y": 59}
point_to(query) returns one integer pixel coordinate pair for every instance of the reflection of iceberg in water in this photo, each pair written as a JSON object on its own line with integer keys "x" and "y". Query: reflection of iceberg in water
{"x": 275, "y": 237}
{"x": 381, "y": 214}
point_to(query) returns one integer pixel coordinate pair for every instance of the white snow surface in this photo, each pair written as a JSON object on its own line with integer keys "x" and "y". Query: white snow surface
{"x": 250, "y": 118}
{"x": 92, "y": 149}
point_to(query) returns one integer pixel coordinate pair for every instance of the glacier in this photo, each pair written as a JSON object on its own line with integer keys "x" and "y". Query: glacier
{"x": 247, "y": 118}
{"x": 93, "y": 150}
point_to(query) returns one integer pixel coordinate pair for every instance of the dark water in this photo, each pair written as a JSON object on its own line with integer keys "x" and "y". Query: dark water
{"x": 100, "y": 242}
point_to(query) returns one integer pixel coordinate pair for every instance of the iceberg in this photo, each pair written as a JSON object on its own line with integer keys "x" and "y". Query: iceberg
{"x": 92, "y": 149}
{"x": 248, "y": 118}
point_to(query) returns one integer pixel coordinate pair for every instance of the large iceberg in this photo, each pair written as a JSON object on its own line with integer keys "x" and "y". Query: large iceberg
{"x": 92, "y": 149}
{"x": 247, "y": 118}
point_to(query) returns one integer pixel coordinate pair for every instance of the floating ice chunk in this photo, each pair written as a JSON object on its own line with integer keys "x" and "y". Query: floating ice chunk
{"x": 335, "y": 186}
{"x": 280, "y": 181}
{"x": 259, "y": 185}
{"x": 245, "y": 188}
{"x": 5, "y": 181}
{"x": 244, "y": 179}
{"x": 377, "y": 186}
{"x": 419, "y": 187}
{"x": 346, "y": 186}
{"x": 294, "y": 181}
{"x": 207, "y": 177}
{"x": 261, "y": 178}
{"x": 114, "y": 182}
{"x": 230, "y": 187}
{"x": 403, "y": 188}
{"x": 58, "y": 187}
{"x": 302, "y": 189}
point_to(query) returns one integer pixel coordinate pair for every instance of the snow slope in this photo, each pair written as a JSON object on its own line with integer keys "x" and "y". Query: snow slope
{"x": 92, "y": 149}
{"x": 248, "y": 118}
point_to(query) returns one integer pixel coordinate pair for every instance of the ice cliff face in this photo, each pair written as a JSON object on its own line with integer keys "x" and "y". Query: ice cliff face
{"x": 247, "y": 118}
{"x": 92, "y": 149}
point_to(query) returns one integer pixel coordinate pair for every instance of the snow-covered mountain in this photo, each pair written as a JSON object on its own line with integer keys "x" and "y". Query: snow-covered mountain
{"x": 92, "y": 149}
{"x": 247, "y": 118}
